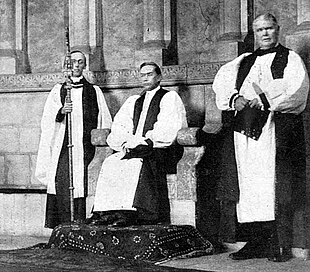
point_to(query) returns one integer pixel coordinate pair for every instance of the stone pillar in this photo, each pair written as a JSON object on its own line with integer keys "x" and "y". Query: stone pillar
{"x": 153, "y": 23}
{"x": 299, "y": 38}
{"x": 13, "y": 36}
{"x": 7, "y": 37}
{"x": 230, "y": 30}
{"x": 156, "y": 31}
{"x": 227, "y": 46}
{"x": 303, "y": 12}
{"x": 230, "y": 18}
{"x": 86, "y": 31}
{"x": 79, "y": 25}
{"x": 225, "y": 49}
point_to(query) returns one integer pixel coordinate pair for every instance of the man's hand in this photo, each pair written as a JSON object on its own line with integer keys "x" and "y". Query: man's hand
{"x": 240, "y": 103}
{"x": 67, "y": 108}
{"x": 132, "y": 143}
{"x": 255, "y": 103}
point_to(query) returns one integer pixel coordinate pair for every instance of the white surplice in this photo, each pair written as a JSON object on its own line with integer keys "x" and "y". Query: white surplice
{"x": 52, "y": 136}
{"x": 256, "y": 159}
{"x": 118, "y": 178}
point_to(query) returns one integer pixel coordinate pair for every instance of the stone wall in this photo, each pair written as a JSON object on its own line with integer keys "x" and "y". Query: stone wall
{"x": 46, "y": 28}
{"x": 19, "y": 137}
{"x": 23, "y": 214}
{"x": 198, "y": 35}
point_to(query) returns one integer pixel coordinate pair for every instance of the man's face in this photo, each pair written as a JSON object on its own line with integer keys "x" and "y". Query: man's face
{"x": 78, "y": 64}
{"x": 266, "y": 33}
{"x": 149, "y": 79}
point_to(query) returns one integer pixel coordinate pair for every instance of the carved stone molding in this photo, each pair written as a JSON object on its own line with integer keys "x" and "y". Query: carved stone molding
{"x": 202, "y": 73}
{"x": 123, "y": 78}
{"x": 29, "y": 82}
{"x": 173, "y": 75}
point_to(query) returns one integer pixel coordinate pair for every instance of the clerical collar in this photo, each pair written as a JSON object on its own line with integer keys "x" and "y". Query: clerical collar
{"x": 150, "y": 91}
{"x": 76, "y": 79}
{"x": 154, "y": 90}
{"x": 261, "y": 52}
{"x": 77, "y": 82}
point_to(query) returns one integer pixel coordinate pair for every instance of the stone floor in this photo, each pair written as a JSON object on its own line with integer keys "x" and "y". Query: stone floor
{"x": 15, "y": 242}
{"x": 219, "y": 262}
{"x": 222, "y": 263}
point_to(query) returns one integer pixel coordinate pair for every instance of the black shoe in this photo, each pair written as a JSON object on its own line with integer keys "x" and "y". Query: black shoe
{"x": 95, "y": 217}
{"x": 120, "y": 223}
{"x": 277, "y": 252}
{"x": 251, "y": 250}
{"x": 124, "y": 219}
{"x": 219, "y": 248}
{"x": 281, "y": 254}
{"x": 100, "y": 219}
{"x": 141, "y": 222}
{"x": 163, "y": 223}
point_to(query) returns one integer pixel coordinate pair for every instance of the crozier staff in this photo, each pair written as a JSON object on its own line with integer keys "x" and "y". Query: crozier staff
{"x": 68, "y": 88}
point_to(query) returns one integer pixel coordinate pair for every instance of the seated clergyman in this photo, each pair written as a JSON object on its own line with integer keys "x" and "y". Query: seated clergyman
{"x": 132, "y": 182}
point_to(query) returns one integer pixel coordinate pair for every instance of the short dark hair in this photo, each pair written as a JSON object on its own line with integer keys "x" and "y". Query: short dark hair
{"x": 79, "y": 51}
{"x": 157, "y": 68}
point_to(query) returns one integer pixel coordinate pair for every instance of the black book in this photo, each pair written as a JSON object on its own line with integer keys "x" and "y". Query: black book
{"x": 250, "y": 121}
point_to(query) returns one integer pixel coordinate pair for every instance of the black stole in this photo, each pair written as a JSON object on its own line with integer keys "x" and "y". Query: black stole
{"x": 152, "y": 191}
{"x": 277, "y": 67}
{"x": 152, "y": 112}
{"x": 89, "y": 106}
{"x": 169, "y": 155}
{"x": 90, "y": 117}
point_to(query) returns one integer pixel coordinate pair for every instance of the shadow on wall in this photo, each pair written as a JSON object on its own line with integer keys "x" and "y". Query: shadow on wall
{"x": 115, "y": 98}
{"x": 304, "y": 51}
{"x": 193, "y": 101}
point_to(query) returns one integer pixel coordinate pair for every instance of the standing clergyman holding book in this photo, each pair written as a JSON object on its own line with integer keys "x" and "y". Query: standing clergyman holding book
{"x": 271, "y": 163}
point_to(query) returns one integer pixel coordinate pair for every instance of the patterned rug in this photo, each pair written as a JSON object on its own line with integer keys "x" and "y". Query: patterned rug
{"x": 150, "y": 243}
{"x": 81, "y": 247}
{"x": 39, "y": 258}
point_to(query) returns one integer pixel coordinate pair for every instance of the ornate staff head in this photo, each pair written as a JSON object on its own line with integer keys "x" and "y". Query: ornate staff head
{"x": 67, "y": 67}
